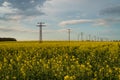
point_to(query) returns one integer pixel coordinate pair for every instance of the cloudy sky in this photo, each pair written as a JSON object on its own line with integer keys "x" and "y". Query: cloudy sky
{"x": 18, "y": 18}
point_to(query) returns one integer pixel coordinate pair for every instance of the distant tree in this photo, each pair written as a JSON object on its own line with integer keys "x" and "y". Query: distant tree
{"x": 115, "y": 40}
{"x": 8, "y": 39}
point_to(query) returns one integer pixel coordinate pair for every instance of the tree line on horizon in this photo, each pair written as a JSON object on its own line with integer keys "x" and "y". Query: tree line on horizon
{"x": 8, "y": 39}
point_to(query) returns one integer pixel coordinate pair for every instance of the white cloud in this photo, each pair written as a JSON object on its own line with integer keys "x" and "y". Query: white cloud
{"x": 58, "y": 7}
{"x": 16, "y": 17}
{"x": 62, "y": 30}
{"x": 100, "y": 22}
{"x": 32, "y": 1}
{"x": 6, "y": 29}
{"x": 70, "y": 22}
{"x": 6, "y": 4}
{"x": 6, "y": 8}
{"x": 95, "y": 22}
{"x": 15, "y": 10}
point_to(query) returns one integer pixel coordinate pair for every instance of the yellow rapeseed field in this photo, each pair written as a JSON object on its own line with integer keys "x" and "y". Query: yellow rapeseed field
{"x": 59, "y": 60}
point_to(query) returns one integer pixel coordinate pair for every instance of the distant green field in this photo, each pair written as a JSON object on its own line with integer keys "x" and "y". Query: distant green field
{"x": 59, "y": 60}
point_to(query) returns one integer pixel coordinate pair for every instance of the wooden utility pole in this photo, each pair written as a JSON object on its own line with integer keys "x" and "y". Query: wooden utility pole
{"x": 95, "y": 38}
{"x": 40, "y": 24}
{"x": 98, "y": 39}
{"x": 81, "y": 36}
{"x": 89, "y": 37}
{"x": 78, "y": 36}
{"x": 69, "y": 34}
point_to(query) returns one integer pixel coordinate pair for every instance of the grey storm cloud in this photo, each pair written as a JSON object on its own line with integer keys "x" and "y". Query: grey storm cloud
{"x": 26, "y": 4}
{"x": 113, "y": 11}
{"x": 25, "y": 7}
